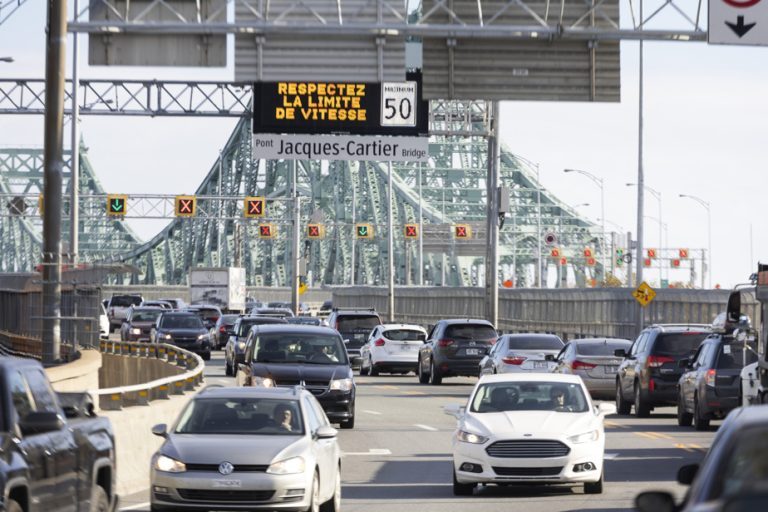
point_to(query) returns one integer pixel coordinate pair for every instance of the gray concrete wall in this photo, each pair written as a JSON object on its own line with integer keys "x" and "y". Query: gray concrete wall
{"x": 262, "y": 293}
{"x": 117, "y": 370}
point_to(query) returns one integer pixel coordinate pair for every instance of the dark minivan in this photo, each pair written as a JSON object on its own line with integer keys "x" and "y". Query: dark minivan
{"x": 647, "y": 376}
{"x": 354, "y": 325}
{"x": 454, "y": 348}
{"x": 313, "y": 357}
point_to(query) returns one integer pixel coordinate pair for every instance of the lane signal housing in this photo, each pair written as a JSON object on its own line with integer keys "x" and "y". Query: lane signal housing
{"x": 254, "y": 207}
{"x": 463, "y": 231}
{"x": 315, "y": 231}
{"x": 117, "y": 205}
{"x": 267, "y": 231}
{"x": 364, "y": 231}
{"x": 185, "y": 206}
{"x": 411, "y": 231}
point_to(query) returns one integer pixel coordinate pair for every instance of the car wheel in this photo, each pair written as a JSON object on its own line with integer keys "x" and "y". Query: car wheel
{"x": 434, "y": 376}
{"x": 642, "y": 409}
{"x": 314, "y": 504}
{"x": 623, "y": 407}
{"x": 334, "y": 504}
{"x": 423, "y": 378}
{"x": 227, "y": 368}
{"x": 460, "y": 489}
{"x": 374, "y": 370}
{"x": 206, "y": 356}
{"x": 684, "y": 418}
{"x": 594, "y": 487}
{"x": 13, "y": 506}
{"x": 363, "y": 369}
{"x": 699, "y": 422}
{"x": 99, "y": 500}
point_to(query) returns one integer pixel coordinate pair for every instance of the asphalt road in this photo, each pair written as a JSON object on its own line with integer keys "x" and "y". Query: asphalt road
{"x": 398, "y": 457}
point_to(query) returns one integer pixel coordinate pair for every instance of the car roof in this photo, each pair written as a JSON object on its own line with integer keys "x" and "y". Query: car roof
{"x": 147, "y": 308}
{"x": 530, "y": 335}
{"x": 215, "y": 391}
{"x": 748, "y": 416}
{"x": 681, "y": 327}
{"x": 296, "y": 329}
{"x": 168, "y": 312}
{"x": 451, "y": 321}
{"x": 531, "y": 377}
{"x": 403, "y": 326}
{"x": 15, "y": 362}
{"x": 598, "y": 341}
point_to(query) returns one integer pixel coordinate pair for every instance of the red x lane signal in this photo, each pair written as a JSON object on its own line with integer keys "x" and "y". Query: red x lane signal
{"x": 411, "y": 231}
{"x": 315, "y": 231}
{"x": 254, "y": 207}
{"x": 185, "y": 206}
{"x": 462, "y": 231}
{"x": 267, "y": 231}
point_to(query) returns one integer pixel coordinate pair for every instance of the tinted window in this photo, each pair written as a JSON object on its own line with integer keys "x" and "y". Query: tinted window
{"x": 245, "y": 325}
{"x": 535, "y": 343}
{"x": 601, "y": 349}
{"x": 678, "y": 345}
{"x": 304, "y": 320}
{"x": 470, "y": 332}
{"x": 145, "y": 316}
{"x": 208, "y": 314}
{"x": 357, "y": 323}
{"x": 529, "y": 396}
{"x": 746, "y": 469}
{"x": 265, "y": 416}
{"x": 287, "y": 347}
{"x": 124, "y": 301}
{"x": 22, "y": 401}
{"x": 181, "y": 322}
{"x": 404, "y": 335}
{"x": 41, "y": 391}
{"x": 733, "y": 357}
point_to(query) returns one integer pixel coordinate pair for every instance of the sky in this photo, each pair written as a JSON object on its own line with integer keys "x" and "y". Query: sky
{"x": 705, "y": 134}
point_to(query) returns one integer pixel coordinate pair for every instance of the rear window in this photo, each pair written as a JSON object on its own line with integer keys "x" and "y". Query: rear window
{"x": 181, "y": 322}
{"x": 245, "y": 325}
{"x": 145, "y": 316}
{"x": 734, "y": 357}
{"x": 357, "y": 323}
{"x": 404, "y": 335}
{"x": 535, "y": 343}
{"x": 678, "y": 344}
{"x": 470, "y": 332}
{"x": 601, "y": 349}
{"x": 124, "y": 301}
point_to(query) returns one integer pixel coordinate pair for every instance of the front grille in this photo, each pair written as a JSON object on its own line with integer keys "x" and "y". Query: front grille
{"x": 527, "y": 449}
{"x": 239, "y": 468}
{"x": 315, "y": 387}
{"x": 228, "y": 496}
{"x": 527, "y": 471}
{"x": 184, "y": 340}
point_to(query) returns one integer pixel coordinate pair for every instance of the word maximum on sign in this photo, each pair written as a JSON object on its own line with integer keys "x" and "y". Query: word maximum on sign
{"x": 340, "y": 147}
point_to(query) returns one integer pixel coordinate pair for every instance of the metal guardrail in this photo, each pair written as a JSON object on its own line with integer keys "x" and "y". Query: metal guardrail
{"x": 116, "y": 398}
{"x": 19, "y": 345}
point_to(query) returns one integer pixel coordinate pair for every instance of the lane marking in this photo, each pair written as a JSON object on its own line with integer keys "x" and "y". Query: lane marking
{"x": 425, "y": 427}
{"x": 615, "y": 425}
{"x": 684, "y": 447}
{"x": 414, "y": 393}
{"x": 387, "y": 387}
{"x": 377, "y": 413}
{"x": 135, "y": 507}
{"x": 371, "y": 451}
{"x": 610, "y": 456}
{"x": 652, "y": 435}
{"x": 690, "y": 447}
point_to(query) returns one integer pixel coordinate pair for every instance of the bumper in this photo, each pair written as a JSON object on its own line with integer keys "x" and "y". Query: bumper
{"x": 459, "y": 367}
{"x": 664, "y": 392}
{"x": 338, "y": 405}
{"x": 719, "y": 406}
{"x": 552, "y": 470}
{"x": 387, "y": 362}
{"x": 601, "y": 388}
{"x": 245, "y": 491}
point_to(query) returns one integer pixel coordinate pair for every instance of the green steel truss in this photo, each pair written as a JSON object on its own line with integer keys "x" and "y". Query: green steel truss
{"x": 337, "y": 194}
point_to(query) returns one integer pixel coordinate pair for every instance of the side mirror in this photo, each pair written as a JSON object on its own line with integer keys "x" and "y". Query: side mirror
{"x": 549, "y": 357}
{"x": 606, "y": 408}
{"x": 40, "y": 422}
{"x": 683, "y": 363}
{"x": 686, "y": 474}
{"x": 620, "y": 352}
{"x": 455, "y": 410}
{"x": 655, "y": 501}
{"x": 160, "y": 430}
{"x": 326, "y": 432}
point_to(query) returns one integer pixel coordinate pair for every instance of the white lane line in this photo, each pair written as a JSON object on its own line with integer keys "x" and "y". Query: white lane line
{"x": 425, "y": 427}
{"x": 371, "y": 451}
{"x": 377, "y": 413}
{"x": 135, "y": 507}
{"x": 610, "y": 456}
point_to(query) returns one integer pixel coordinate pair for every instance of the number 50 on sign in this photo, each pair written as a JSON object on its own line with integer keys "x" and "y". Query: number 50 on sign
{"x": 398, "y": 104}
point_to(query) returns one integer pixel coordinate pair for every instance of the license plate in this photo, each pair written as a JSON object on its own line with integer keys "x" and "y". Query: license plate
{"x": 405, "y": 347}
{"x": 540, "y": 364}
{"x": 229, "y": 484}
{"x": 611, "y": 369}
{"x": 473, "y": 351}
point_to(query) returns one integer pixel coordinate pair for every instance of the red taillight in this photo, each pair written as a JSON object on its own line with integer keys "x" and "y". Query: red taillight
{"x": 581, "y": 364}
{"x": 379, "y": 342}
{"x": 516, "y": 360}
{"x": 711, "y": 375}
{"x": 445, "y": 342}
{"x": 658, "y": 361}
{"x": 222, "y": 329}
{"x": 651, "y": 385}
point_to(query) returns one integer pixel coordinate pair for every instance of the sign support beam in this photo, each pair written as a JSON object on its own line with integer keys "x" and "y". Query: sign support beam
{"x": 390, "y": 249}
{"x": 492, "y": 194}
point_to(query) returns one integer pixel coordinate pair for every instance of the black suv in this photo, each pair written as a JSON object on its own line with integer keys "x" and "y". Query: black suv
{"x": 354, "y": 325}
{"x": 234, "y": 350}
{"x": 648, "y": 375}
{"x": 454, "y": 348}
{"x": 183, "y": 329}
{"x": 711, "y": 382}
{"x": 302, "y": 355}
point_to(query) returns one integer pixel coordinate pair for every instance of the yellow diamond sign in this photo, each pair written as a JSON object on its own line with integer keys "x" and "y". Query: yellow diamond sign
{"x": 644, "y": 294}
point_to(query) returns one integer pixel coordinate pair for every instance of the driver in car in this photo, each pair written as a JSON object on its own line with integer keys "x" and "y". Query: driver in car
{"x": 560, "y": 399}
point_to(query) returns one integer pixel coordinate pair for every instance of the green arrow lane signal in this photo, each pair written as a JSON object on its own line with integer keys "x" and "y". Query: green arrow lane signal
{"x": 364, "y": 231}
{"x": 117, "y": 205}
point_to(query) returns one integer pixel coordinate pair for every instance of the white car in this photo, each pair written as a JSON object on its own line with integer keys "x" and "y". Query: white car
{"x": 529, "y": 428}
{"x": 522, "y": 352}
{"x": 103, "y": 323}
{"x": 392, "y": 348}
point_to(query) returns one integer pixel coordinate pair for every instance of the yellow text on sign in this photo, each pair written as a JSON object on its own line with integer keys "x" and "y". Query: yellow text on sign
{"x": 644, "y": 294}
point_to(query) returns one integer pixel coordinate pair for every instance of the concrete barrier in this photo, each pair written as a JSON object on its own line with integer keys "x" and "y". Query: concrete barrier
{"x": 78, "y": 375}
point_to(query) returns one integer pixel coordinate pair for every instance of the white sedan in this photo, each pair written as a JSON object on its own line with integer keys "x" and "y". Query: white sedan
{"x": 392, "y": 348}
{"x": 529, "y": 428}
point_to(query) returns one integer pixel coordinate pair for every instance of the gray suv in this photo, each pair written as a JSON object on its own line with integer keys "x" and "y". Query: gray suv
{"x": 354, "y": 325}
{"x": 454, "y": 348}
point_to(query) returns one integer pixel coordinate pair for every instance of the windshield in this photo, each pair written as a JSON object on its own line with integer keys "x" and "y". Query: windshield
{"x": 470, "y": 332}
{"x": 287, "y": 347}
{"x": 124, "y": 301}
{"x": 535, "y": 343}
{"x": 145, "y": 316}
{"x": 181, "y": 322}
{"x": 404, "y": 335}
{"x": 745, "y": 469}
{"x": 265, "y": 416}
{"x": 529, "y": 396}
{"x": 208, "y": 314}
{"x": 602, "y": 349}
{"x": 678, "y": 345}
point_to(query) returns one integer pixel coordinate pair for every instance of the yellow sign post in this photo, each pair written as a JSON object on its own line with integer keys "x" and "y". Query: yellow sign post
{"x": 644, "y": 294}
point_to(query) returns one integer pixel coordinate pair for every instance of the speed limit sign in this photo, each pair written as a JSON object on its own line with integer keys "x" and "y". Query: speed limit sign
{"x": 398, "y": 104}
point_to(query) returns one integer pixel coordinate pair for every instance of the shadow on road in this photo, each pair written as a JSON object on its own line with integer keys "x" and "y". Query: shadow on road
{"x": 649, "y": 464}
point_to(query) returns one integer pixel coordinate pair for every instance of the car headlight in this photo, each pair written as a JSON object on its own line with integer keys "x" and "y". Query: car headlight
{"x": 287, "y": 467}
{"x": 469, "y": 437}
{"x": 202, "y": 337}
{"x": 241, "y": 345}
{"x": 169, "y": 465}
{"x": 586, "y": 437}
{"x": 167, "y": 337}
{"x": 264, "y": 382}
{"x": 135, "y": 330}
{"x": 341, "y": 384}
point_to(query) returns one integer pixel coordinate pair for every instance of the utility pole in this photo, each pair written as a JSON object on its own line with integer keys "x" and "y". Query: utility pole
{"x": 295, "y": 252}
{"x": 390, "y": 250}
{"x": 74, "y": 207}
{"x": 492, "y": 194}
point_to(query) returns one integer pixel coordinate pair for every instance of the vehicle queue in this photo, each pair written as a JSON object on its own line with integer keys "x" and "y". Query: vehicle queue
{"x": 530, "y": 418}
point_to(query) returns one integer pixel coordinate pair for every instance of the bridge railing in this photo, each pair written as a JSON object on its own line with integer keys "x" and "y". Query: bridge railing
{"x": 190, "y": 373}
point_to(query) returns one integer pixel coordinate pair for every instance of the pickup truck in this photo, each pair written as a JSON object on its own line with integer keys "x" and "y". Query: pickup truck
{"x": 55, "y": 454}
{"x": 118, "y": 307}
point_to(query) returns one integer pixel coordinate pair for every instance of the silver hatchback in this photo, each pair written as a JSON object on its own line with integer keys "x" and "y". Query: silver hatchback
{"x": 248, "y": 449}
{"x": 594, "y": 361}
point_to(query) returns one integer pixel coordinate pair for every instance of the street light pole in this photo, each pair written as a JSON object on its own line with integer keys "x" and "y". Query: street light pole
{"x": 600, "y": 183}
{"x": 74, "y": 207}
{"x": 657, "y": 195}
{"x": 705, "y": 204}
